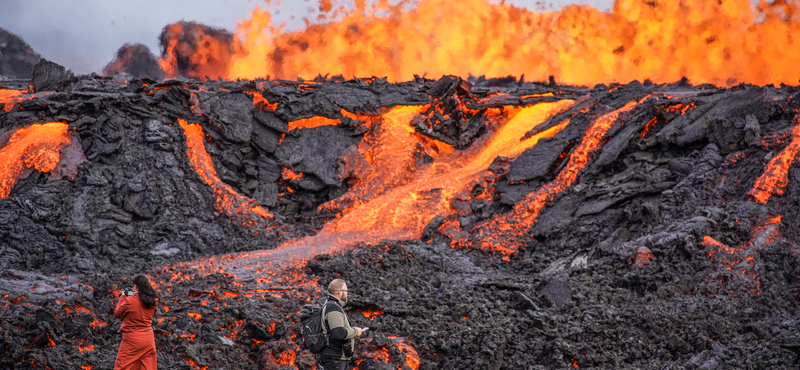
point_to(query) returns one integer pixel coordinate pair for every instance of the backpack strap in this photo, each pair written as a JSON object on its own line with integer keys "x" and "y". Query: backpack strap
{"x": 322, "y": 322}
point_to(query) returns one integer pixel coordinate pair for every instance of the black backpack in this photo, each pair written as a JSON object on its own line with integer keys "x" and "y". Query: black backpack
{"x": 314, "y": 335}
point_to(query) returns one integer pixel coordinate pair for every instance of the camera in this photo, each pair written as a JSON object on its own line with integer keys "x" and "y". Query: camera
{"x": 127, "y": 292}
{"x": 347, "y": 348}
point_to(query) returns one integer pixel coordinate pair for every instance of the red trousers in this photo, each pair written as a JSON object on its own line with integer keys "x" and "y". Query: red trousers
{"x": 137, "y": 351}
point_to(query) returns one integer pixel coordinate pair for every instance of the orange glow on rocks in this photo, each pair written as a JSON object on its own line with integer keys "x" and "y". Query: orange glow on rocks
{"x": 312, "y": 122}
{"x": 412, "y": 357}
{"x": 289, "y": 175}
{"x": 16, "y": 300}
{"x": 228, "y": 200}
{"x": 719, "y": 42}
{"x": 98, "y": 324}
{"x": 395, "y": 196}
{"x": 776, "y": 175}
{"x": 739, "y": 264}
{"x": 36, "y": 146}
{"x": 10, "y": 97}
{"x": 501, "y": 233}
{"x": 81, "y": 309}
{"x": 642, "y": 257}
{"x": 194, "y": 364}
{"x": 227, "y": 294}
{"x": 286, "y": 358}
{"x": 85, "y": 348}
{"x": 371, "y": 314}
{"x": 262, "y": 102}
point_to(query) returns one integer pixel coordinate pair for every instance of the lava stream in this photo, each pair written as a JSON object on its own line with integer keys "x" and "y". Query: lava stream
{"x": 500, "y": 233}
{"x": 36, "y": 146}
{"x": 402, "y": 211}
{"x": 776, "y": 175}
{"x": 396, "y": 202}
{"x": 227, "y": 200}
{"x": 10, "y": 97}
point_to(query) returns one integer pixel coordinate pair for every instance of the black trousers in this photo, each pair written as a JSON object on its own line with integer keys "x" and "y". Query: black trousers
{"x": 330, "y": 363}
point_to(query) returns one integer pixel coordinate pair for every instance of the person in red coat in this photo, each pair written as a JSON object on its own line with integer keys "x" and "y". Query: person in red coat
{"x": 138, "y": 348}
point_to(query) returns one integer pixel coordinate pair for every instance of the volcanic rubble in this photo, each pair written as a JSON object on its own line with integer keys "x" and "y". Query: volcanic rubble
{"x": 663, "y": 252}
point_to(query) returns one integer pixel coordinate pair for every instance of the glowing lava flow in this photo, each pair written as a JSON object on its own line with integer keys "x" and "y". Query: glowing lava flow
{"x": 776, "y": 175}
{"x": 36, "y": 146}
{"x": 396, "y": 195}
{"x": 228, "y": 200}
{"x": 396, "y": 202}
{"x": 500, "y": 233}
{"x": 719, "y": 42}
{"x": 316, "y": 121}
{"x": 10, "y": 97}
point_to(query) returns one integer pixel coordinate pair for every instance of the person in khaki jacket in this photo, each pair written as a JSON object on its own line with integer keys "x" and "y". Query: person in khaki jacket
{"x": 341, "y": 336}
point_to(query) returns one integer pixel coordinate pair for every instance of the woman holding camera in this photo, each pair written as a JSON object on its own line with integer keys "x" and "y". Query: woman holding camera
{"x": 136, "y": 309}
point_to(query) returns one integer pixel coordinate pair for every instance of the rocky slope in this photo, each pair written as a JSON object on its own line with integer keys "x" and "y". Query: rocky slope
{"x": 662, "y": 245}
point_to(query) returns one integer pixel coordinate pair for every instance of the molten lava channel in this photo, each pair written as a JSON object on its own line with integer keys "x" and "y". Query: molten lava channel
{"x": 10, "y": 97}
{"x": 500, "y": 234}
{"x": 776, "y": 175}
{"x": 34, "y": 147}
{"x": 395, "y": 198}
{"x": 227, "y": 199}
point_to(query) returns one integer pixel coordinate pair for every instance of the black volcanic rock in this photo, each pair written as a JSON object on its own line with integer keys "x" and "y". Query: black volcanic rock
{"x": 537, "y": 161}
{"x": 48, "y": 76}
{"x": 16, "y": 56}
{"x": 655, "y": 256}
{"x": 314, "y": 153}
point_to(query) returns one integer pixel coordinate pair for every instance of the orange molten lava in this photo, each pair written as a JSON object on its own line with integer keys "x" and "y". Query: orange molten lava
{"x": 286, "y": 358}
{"x": 36, "y": 146}
{"x": 412, "y": 358}
{"x": 227, "y": 199}
{"x": 721, "y": 42}
{"x": 316, "y": 121}
{"x": 97, "y": 323}
{"x": 776, "y": 175}
{"x": 9, "y": 98}
{"x": 499, "y": 233}
{"x": 262, "y": 102}
{"x": 193, "y": 364}
{"x": 396, "y": 196}
{"x": 85, "y": 348}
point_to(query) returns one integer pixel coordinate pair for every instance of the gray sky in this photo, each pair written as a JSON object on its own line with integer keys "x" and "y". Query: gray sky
{"x": 84, "y": 35}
